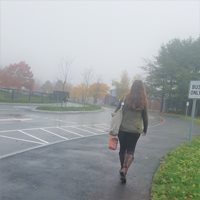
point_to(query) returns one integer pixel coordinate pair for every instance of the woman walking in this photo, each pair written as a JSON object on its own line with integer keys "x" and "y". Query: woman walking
{"x": 134, "y": 123}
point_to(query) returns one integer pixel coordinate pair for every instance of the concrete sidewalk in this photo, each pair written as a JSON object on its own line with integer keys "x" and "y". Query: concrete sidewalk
{"x": 84, "y": 169}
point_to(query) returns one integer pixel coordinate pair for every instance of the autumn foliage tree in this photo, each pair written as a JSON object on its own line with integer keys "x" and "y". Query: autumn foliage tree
{"x": 17, "y": 76}
{"x": 122, "y": 86}
{"x": 98, "y": 90}
{"x": 76, "y": 92}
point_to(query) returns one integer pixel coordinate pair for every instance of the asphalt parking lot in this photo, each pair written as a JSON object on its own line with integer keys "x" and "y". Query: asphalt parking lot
{"x": 22, "y": 129}
{"x": 65, "y": 157}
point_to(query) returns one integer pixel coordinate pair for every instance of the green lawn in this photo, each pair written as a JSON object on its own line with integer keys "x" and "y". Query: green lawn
{"x": 178, "y": 176}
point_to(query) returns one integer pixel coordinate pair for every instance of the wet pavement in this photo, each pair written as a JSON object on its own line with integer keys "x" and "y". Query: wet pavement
{"x": 84, "y": 168}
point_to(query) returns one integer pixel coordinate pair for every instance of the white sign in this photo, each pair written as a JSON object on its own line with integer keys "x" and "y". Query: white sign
{"x": 194, "y": 91}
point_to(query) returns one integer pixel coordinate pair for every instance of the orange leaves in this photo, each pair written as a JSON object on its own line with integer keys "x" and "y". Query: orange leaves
{"x": 95, "y": 90}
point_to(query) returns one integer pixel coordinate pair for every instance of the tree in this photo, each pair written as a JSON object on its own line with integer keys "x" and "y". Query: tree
{"x": 65, "y": 75}
{"x": 98, "y": 90}
{"x": 170, "y": 72}
{"x": 58, "y": 85}
{"x": 87, "y": 76}
{"x": 122, "y": 86}
{"x": 37, "y": 85}
{"x": 17, "y": 75}
{"x": 47, "y": 87}
{"x": 75, "y": 93}
{"x": 78, "y": 92}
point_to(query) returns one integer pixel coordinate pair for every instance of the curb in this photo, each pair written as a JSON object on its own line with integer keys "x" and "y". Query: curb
{"x": 67, "y": 112}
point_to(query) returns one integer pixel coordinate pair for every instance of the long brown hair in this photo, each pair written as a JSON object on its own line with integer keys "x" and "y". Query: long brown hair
{"x": 137, "y": 99}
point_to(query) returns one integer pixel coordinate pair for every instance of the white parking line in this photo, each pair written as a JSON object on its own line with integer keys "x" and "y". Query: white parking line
{"x": 47, "y": 127}
{"x": 104, "y": 127}
{"x": 40, "y": 146}
{"x": 54, "y": 134}
{"x": 100, "y": 125}
{"x": 33, "y": 137}
{"x": 84, "y": 130}
{"x": 13, "y": 138}
{"x": 59, "y": 120}
{"x": 70, "y": 131}
{"x": 63, "y": 128}
{"x": 93, "y": 128}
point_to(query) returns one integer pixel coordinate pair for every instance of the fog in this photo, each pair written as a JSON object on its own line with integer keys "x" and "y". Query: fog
{"x": 107, "y": 37}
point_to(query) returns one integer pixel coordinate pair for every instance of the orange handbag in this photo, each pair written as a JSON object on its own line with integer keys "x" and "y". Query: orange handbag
{"x": 112, "y": 142}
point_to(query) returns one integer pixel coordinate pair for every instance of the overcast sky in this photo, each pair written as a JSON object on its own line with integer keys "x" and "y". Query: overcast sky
{"x": 106, "y": 36}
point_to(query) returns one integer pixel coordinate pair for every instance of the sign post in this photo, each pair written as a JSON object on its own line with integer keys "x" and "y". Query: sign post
{"x": 186, "y": 111}
{"x": 194, "y": 93}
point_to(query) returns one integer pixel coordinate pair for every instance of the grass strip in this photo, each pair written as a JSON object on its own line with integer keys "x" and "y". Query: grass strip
{"x": 69, "y": 108}
{"x": 178, "y": 176}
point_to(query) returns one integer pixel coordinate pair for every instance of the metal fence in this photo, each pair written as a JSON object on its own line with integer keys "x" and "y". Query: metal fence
{"x": 25, "y": 96}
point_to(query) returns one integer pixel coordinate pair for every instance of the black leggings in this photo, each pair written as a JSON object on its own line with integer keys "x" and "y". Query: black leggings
{"x": 128, "y": 142}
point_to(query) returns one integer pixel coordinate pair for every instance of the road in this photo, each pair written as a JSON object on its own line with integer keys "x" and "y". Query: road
{"x": 65, "y": 156}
